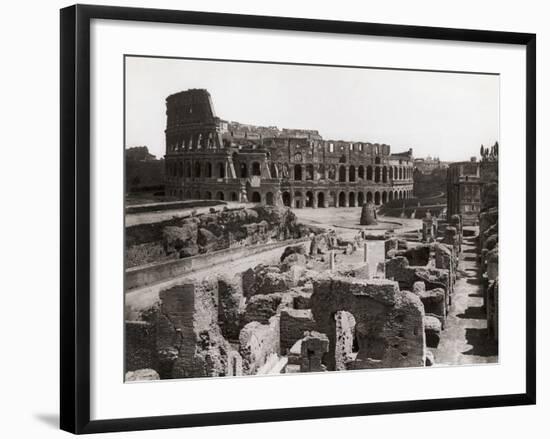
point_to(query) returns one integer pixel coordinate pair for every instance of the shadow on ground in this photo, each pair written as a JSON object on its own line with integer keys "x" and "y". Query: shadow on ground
{"x": 482, "y": 345}
{"x": 473, "y": 312}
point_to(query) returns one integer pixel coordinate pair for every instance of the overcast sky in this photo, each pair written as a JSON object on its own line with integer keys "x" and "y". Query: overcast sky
{"x": 448, "y": 115}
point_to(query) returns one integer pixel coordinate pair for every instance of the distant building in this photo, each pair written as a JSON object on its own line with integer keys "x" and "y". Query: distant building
{"x": 428, "y": 165}
{"x": 211, "y": 158}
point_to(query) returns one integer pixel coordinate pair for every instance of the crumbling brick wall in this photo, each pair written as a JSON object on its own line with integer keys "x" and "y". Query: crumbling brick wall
{"x": 257, "y": 343}
{"x": 294, "y": 322}
{"x": 389, "y": 323}
{"x": 140, "y": 346}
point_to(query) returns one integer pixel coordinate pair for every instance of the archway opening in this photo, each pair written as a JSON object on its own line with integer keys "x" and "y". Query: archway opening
{"x": 309, "y": 199}
{"x": 208, "y": 195}
{"x": 369, "y": 173}
{"x": 360, "y": 199}
{"x": 221, "y": 170}
{"x": 342, "y": 199}
{"x": 377, "y": 198}
{"x": 297, "y": 172}
{"x": 377, "y": 174}
{"x": 361, "y": 172}
{"x": 286, "y": 198}
{"x": 309, "y": 172}
{"x": 234, "y": 196}
{"x": 256, "y": 197}
{"x": 352, "y": 199}
{"x": 219, "y": 196}
{"x": 320, "y": 199}
{"x": 352, "y": 173}
{"x": 342, "y": 174}
{"x": 369, "y": 197}
{"x": 256, "y": 169}
{"x": 269, "y": 199}
{"x": 384, "y": 197}
{"x": 244, "y": 170}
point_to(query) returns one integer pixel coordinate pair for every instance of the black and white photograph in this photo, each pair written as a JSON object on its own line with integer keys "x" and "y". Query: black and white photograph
{"x": 288, "y": 218}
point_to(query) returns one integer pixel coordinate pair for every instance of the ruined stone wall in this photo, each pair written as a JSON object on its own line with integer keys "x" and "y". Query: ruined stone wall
{"x": 389, "y": 323}
{"x": 193, "y": 235}
{"x": 140, "y": 346}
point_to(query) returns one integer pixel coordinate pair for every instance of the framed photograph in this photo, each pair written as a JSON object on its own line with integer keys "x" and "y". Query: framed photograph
{"x": 273, "y": 218}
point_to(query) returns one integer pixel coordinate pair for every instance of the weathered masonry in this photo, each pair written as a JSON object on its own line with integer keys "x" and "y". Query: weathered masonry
{"x": 209, "y": 158}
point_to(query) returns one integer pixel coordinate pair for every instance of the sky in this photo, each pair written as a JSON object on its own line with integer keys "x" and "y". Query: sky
{"x": 445, "y": 115}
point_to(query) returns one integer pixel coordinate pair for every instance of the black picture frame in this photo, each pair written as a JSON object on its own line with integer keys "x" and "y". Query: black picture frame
{"x": 75, "y": 217}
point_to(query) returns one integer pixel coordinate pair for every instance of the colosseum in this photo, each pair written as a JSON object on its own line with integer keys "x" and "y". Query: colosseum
{"x": 211, "y": 158}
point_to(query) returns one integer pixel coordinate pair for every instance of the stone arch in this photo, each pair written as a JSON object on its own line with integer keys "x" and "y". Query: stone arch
{"x": 332, "y": 202}
{"x": 321, "y": 172}
{"x": 384, "y": 197}
{"x": 321, "y": 199}
{"x": 390, "y": 172}
{"x": 376, "y": 321}
{"x": 352, "y": 173}
{"x": 377, "y": 174}
{"x": 332, "y": 172}
{"x": 390, "y": 195}
{"x": 341, "y": 199}
{"x": 351, "y": 199}
{"x": 256, "y": 170}
{"x": 256, "y": 197}
{"x": 361, "y": 172}
{"x": 298, "y": 199}
{"x": 369, "y": 173}
{"x": 197, "y": 173}
{"x": 297, "y": 172}
{"x": 310, "y": 200}
{"x": 269, "y": 199}
{"x": 309, "y": 172}
{"x": 187, "y": 169}
{"x": 360, "y": 199}
{"x": 197, "y": 195}
{"x": 342, "y": 173}
{"x": 400, "y": 173}
{"x": 234, "y": 196}
{"x": 286, "y": 198}
{"x": 208, "y": 170}
{"x": 221, "y": 170}
{"x": 384, "y": 174}
{"x": 377, "y": 198}
{"x": 208, "y": 195}
{"x": 220, "y": 196}
{"x": 243, "y": 170}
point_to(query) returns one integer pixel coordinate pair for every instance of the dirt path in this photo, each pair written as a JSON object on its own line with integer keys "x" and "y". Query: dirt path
{"x": 464, "y": 340}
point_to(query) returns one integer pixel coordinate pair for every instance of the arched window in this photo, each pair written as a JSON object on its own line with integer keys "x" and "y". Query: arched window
{"x": 342, "y": 173}
{"x": 391, "y": 172}
{"x": 342, "y": 199}
{"x": 377, "y": 160}
{"x": 321, "y": 171}
{"x": 352, "y": 173}
{"x": 360, "y": 199}
{"x": 384, "y": 197}
{"x": 384, "y": 174}
{"x": 244, "y": 170}
{"x": 220, "y": 196}
{"x": 309, "y": 172}
{"x": 221, "y": 170}
{"x": 197, "y": 170}
{"x": 369, "y": 197}
{"x": 256, "y": 169}
{"x": 297, "y": 172}
{"x": 320, "y": 199}
{"x": 286, "y": 198}
{"x": 309, "y": 199}
{"x": 256, "y": 197}
{"x": 377, "y": 198}
{"x": 187, "y": 169}
{"x": 377, "y": 174}
{"x": 208, "y": 170}
{"x": 361, "y": 172}
{"x": 352, "y": 199}
{"x": 369, "y": 173}
{"x": 208, "y": 195}
{"x": 234, "y": 196}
